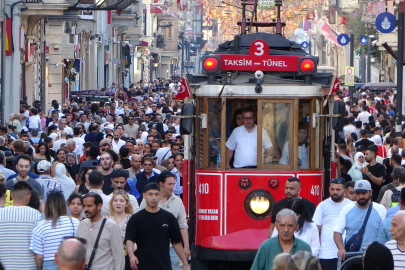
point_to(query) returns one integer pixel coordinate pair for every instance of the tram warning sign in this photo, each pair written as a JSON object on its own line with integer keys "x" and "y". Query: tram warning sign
{"x": 349, "y": 76}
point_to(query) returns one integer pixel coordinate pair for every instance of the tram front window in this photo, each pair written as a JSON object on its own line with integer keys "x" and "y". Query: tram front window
{"x": 276, "y": 123}
{"x": 303, "y": 141}
{"x": 242, "y": 144}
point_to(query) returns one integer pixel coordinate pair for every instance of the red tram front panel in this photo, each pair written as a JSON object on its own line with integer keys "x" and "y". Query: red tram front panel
{"x": 222, "y": 219}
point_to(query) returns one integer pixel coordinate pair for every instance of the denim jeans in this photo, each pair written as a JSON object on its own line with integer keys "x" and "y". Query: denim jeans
{"x": 174, "y": 259}
{"x": 49, "y": 265}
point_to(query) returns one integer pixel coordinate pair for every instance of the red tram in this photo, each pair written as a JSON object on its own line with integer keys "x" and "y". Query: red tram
{"x": 230, "y": 209}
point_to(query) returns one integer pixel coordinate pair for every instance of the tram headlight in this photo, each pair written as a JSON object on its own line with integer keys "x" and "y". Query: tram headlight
{"x": 211, "y": 64}
{"x": 259, "y": 204}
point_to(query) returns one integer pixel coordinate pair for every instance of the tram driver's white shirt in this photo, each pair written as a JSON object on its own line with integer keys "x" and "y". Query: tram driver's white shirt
{"x": 245, "y": 146}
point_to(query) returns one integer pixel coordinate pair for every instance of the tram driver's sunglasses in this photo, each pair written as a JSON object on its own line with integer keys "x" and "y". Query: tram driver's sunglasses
{"x": 248, "y": 118}
{"x": 81, "y": 240}
{"x": 338, "y": 181}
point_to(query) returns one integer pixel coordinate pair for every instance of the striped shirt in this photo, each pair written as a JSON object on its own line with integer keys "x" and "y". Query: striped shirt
{"x": 17, "y": 223}
{"x": 397, "y": 253}
{"x": 46, "y": 240}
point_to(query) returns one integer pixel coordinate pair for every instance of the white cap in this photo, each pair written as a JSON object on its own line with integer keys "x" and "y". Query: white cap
{"x": 43, "y": 166}
{"x": 110, "y": 127}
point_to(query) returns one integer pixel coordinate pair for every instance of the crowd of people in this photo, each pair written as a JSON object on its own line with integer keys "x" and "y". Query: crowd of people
{"x": 365, "y": 208}
{"x": 86, "y": 181}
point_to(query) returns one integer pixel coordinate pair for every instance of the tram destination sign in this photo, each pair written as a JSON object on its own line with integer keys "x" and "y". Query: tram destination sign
{"x": 259, "y": 59}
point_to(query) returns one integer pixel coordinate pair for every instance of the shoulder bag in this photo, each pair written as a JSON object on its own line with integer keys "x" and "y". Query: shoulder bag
{"x": 354, "y": 243}
{"x": 88, "y": 266}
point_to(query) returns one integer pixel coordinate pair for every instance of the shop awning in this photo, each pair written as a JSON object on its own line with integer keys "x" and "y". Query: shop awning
{"x": 101, "y": 4}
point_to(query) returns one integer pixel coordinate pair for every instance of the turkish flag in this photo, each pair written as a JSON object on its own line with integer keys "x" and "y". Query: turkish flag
{"x": 335, "y": 86}
{"x": 184, "y": 90}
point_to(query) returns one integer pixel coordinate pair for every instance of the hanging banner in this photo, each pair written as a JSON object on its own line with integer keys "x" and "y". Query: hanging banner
{"x": 327, "y": 31}
{"x": 8, "y": 37}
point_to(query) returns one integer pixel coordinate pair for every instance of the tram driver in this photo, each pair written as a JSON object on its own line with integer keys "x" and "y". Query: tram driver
{"x": 243, "y": 142}
{"x": 303, "y": 148}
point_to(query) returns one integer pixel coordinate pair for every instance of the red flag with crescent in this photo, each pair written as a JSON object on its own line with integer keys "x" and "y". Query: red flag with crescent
{"x": 335, "y": 86}
{"x": 184, "y": 90}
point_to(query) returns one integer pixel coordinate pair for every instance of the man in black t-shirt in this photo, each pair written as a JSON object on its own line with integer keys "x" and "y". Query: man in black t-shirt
{"x": 364, "y": 139}
{"x": 292, "y": 190}
{"x": 153, "y": 229}
{"x": 374, "y": 172}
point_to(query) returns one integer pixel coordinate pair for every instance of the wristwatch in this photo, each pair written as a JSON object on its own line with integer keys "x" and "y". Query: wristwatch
{"x": 369, "y": 174}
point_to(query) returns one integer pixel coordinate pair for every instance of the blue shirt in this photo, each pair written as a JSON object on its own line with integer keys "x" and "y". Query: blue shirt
{"x": 30, "y": 174}
{"x": 351, "y": 219}
{"x": 393, "y": 210}
{"x": 384, "y": 236}
{"x": 133, "y": 190}
{"x": 391, "y": 113}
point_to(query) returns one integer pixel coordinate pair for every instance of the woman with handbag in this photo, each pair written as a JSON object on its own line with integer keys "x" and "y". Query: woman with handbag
{"x": 49, "y": 233}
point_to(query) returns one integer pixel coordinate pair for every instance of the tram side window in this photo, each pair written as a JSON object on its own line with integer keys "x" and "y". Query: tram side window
{"x": 275, "y": 132}
{"x": 303, "y": 138}
{"x": 214, "y": 132}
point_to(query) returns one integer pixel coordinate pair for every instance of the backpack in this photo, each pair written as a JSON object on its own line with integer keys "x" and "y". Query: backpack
{"x": 396, "y": 194}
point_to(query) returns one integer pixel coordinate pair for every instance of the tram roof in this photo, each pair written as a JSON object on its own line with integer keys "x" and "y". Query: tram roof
{"x": 271, "y": 87}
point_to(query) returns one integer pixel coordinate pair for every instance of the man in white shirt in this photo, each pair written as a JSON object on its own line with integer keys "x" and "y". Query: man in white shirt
{"x": 117, "y": 141}
{"x": 83, "y": 121}
{"x": 96, "y": 183}
{"x": 349, "y": 125}
{"x": 163, "y": 152}
{"x": 79, "y": 142}
{"x": 57, "y": 144}
{"x": 63, "y": 127}
{"x": 325, "y": 217}
{"x": 363, "y": 116}
{"x": 243, "y": 142}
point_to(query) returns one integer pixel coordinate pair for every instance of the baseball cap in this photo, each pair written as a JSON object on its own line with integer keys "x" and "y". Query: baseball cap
{"x": 110, "y": 127}
{"x": 104, "y": 142}
{"x": 151, "y": 185}
{"x": 362, "y": 186}
{"x": 43, "y": 166}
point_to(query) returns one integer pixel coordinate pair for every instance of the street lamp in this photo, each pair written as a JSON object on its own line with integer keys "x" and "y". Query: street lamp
{"x": 155, "y": 65}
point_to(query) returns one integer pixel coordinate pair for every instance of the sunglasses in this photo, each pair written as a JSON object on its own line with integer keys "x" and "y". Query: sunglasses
{"x": 338, "y": 181}
{"x": 81, "y": 240}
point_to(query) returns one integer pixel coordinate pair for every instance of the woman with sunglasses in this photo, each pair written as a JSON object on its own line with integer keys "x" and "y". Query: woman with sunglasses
{"x": 121, "y": 211}
{"x": 49, "y": 233}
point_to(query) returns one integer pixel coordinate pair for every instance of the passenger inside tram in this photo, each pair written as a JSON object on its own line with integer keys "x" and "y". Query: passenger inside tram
{"x": 242, "y": 144}
{"x": 303, "y": 148}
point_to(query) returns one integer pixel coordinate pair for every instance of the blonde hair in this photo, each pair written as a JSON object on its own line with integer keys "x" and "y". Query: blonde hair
{"x": 128, "y": 209}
